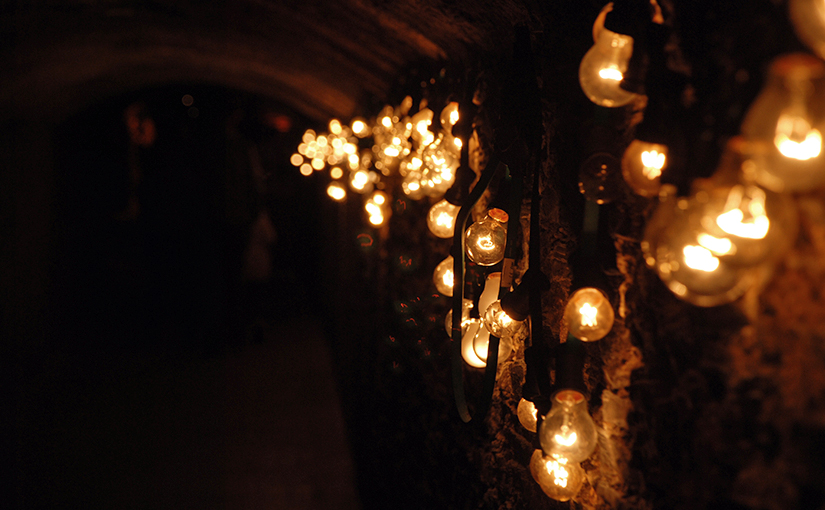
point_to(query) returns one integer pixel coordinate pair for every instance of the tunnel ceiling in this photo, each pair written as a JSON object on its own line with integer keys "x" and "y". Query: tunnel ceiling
{"x": 319, "y": 57}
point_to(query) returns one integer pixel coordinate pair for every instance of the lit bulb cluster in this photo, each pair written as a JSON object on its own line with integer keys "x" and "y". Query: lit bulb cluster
{"x": 709, "y": 247}
{"x": 360, "y": 157}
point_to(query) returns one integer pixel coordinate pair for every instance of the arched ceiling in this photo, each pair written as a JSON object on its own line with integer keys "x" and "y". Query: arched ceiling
{"x": 319, "y": 57}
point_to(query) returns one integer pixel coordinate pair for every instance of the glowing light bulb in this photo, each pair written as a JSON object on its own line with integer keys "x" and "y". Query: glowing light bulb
{"x": 468, "y": 336}
{"x": 589, "y": 314}
{"x": 443, "y": 276}
{"x": 336, "y": 191}
{"x": 485, "y": 240}
{"x": 558, "y": 477}
{"x": 491, "y": 290}
{"x": 602, "y": 69}
{"x": 642, "y": 166}
{"x": 441, "y": 218}
{"x": 449, "y": 116}
{"x": 688, "y": 258}
{"x": 360, "y": 181}
{"x": 808, "y": 18}
{"x": 528, "y": 415}
{"x": 466, "y": 306}
{"x": 377, "y": 208}
{"x": 568, "y": 431}
{"x": 498, "y": 322}
{"x": 481, "y": 345}
{"x": 785, "y": 124}
{"x": 360, "y": 128}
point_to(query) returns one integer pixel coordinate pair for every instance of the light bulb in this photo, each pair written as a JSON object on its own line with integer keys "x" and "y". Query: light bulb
{"x": 689, "y": 259}
{"x": 443, "y": 276}
{"x": 466, "y": 306}
{"x": 602, "y": 69}
{"x": 498, "y": 322}
{"x": 420, "y": 123}
{"x": 785, "y": 125}
{"x": 642, "y": 166}
{"x": 361, "y": 181}
{"x": 441, "y": 218}
{"x": 377, "y": 208}
{"x": 481, "y": 345}
{"x": 336, "y": 191}
{"x": 589, "y": 314}
{"x": 467, "y": 343}
{"x": 567, "y": 430}
{"x": 449, "y": 116}
{"x": 527, "y": 414}
{"x": 599, "y": 179}
{"x": 490, "y": 292}
{"x": 485, "y": 240}
{"x": 558, "y": 477}
{"x": 808, "y": 18}
{"x": 360, "y": 128}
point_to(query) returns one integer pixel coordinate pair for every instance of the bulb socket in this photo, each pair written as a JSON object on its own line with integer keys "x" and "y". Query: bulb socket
{"x": 570, "y": 366}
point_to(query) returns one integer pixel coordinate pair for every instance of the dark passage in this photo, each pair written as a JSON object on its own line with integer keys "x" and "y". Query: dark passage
{"x": 187, "y": 363}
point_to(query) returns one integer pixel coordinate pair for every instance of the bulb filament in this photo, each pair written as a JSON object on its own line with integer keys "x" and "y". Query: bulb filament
{"x": 700, "y": 259}
{"x": 610, "y": 73}
{"x": 796, "y": 139}
{"x": 653, "y": 162}
{"x": 556, "y": 468}
{"x": 567, "y": 440}
{"x": 486, "y": 243}
{"x": 733, "y": 220}
{"x": 717, "y": 245}
{"x": 588, "y": 314}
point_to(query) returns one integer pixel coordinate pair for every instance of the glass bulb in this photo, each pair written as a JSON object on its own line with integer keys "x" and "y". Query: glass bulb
{"x": 602, "y": 69}
{"x": 449, "y": 116}
{"x": 599, "y": 178}
{"x": 589, "y": 314}
{"x": 785, "y": 124}
{"x": 361, "y": 181}
{"x": 467, "y": 343}
{"x": 491, "y": 290}
{"x": 441, "y": 218}
{"x": 336, "y": 191}
{"x": 481, "y": 345}
{"x": 808, "y": 18}
{"x": 498, "y": 322}
{"x": 466, "y": 306}
{"x": 642, "y": 166}
{"x": 558, "y": 477}
{"x": 568, "y": 431}
{"x": 688, "y": 259}
{"x": 443, "y": 276}
{"x": 751, "y": 223}
{"x": 377, "y": 208}
{"x": 485, "y": 240}
{"x": 528, "y": 415}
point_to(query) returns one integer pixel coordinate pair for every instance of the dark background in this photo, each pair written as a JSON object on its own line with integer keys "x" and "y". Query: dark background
{"x": 144, "y": 371}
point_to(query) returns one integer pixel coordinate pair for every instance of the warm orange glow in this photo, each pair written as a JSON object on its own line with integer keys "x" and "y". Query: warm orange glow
{"x": 733, "y": 221}
{"x": 306, "y": 169}
{"x": 653, "y": 162}
{"x": 700, "y": 259}
{"x": 796, "y": 139}
{"x": 611, "y": 73}
{"x": 336, "y": 191}
{"x": 296, "y": 159}
{"x": 588, "y": 315}
{"x": 336, "y": 173}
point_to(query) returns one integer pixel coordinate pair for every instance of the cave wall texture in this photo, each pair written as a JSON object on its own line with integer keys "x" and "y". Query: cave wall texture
{"x": 719, "y": 408}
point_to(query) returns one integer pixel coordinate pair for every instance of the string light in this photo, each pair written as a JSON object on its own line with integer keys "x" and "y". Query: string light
{"x": 568, "y": 431}
{"x": 486, "y": 239}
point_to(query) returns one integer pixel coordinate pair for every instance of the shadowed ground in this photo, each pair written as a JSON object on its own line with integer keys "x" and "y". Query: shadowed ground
{"x": 258, "y": 428}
